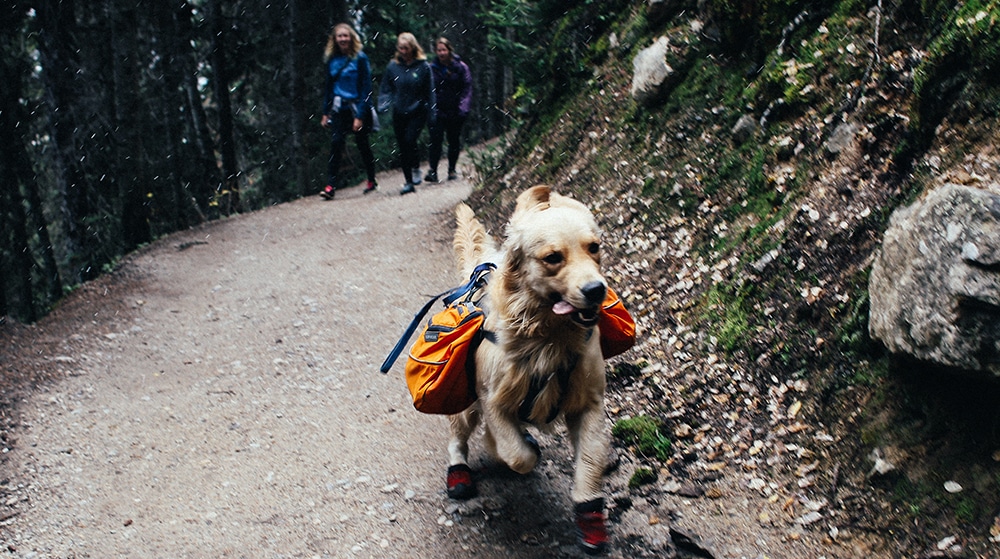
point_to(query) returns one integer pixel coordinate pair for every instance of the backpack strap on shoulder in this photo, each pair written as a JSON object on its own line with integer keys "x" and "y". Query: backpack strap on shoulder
{"x": 478, "y": 280}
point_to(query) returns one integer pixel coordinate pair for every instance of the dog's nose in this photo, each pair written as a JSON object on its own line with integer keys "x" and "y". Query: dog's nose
{"x": 594, "y": 293}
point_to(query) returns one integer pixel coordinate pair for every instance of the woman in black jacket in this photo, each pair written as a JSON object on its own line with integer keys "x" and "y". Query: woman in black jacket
{"x": 408, "y": 87}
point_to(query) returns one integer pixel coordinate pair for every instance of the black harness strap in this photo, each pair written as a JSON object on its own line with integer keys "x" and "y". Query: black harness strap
{"x": 538, "y": 383}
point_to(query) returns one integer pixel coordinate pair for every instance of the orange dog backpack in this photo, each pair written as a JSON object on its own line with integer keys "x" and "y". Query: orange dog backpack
{"x": 441, "y": 374}
{"x": 441, "y": 367}
{"x": 616, "y": 325}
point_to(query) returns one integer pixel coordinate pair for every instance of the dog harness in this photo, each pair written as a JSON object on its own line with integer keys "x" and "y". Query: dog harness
{"x": 538, "y": 383}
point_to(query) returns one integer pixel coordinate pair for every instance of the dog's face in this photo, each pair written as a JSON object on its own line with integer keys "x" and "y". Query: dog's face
{"x": 554, "y": 247}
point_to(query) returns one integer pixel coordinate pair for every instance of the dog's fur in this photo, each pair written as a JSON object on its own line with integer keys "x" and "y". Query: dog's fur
{"x": 551, "y": 257}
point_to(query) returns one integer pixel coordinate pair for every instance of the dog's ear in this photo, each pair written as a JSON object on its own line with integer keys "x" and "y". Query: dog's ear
{"x": 513, "y": 268}
{"x": 535, "y": 198}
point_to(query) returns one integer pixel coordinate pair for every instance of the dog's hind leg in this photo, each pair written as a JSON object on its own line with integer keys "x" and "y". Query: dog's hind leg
{"x": 460, "y": 483}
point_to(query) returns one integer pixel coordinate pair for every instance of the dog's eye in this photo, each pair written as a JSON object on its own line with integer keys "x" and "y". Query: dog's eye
{"x": 594, "y": 248}
{"x": 553, "y": 258}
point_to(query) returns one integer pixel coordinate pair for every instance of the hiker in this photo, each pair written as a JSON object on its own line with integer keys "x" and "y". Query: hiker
{"x": 408, "y": 87}
{"x": 347, "y": 103}
{"x": 453, "y": 86}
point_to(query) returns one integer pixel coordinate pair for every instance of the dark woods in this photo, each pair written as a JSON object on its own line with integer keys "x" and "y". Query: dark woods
{"x": 123, "y": 121}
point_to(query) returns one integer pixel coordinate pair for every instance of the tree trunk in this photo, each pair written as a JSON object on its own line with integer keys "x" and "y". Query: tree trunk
{"x": 297, "y": 100}
{"x": 339, "y": 13}
{"x": 13, "y": 163}
{"x": 220, "y": 84}
{"x": 56, "y": 20}
{"x": 17, "y": 176}
{"x": 207, "y": 181}
{"x": 132, "y": 184}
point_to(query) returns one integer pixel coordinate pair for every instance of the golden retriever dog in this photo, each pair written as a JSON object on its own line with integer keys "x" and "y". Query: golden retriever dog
{"x": 540, "y": 358}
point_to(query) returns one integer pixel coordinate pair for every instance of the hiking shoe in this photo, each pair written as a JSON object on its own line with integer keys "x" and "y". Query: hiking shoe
{"x": 372, "y": 185}
{"x": 460, "y": 484}
{"x": 432, "y": 176}
{"x": 452, "y": 175}
{"x": 416, "y": 177}
{"x": 328, "y": 192}
{"x": 590, "y": 528}
{"x": 407, "y": 188}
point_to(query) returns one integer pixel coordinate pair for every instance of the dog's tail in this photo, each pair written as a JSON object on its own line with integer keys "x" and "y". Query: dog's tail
{"x": 472, "y": 244}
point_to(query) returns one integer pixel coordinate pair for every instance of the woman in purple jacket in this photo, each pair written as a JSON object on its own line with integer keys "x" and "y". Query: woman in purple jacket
{"x": 453, "y": 85}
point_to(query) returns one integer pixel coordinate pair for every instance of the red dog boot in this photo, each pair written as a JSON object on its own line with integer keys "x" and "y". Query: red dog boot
{"x": 460, "y": 484}
{"x": 590, "y": 526}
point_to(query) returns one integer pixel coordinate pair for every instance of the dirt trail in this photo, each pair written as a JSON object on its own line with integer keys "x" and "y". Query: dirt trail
{"x": 219, "y": 396}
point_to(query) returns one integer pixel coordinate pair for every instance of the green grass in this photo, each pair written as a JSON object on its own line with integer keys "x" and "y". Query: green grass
{"x": 642, "y": 476}
{"x": 727, "y": 313}
{"x": 643, "y": 432}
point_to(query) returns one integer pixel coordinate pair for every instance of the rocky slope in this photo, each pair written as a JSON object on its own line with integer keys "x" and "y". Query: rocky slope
{"x": 743, "y": 206}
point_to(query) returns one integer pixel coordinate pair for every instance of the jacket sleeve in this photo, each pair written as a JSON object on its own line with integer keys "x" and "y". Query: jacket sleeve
{"x": 465, "y": 99}
{"x": 431, "y": 94}
{"x": 386, "y": 89}
{"x": 364, "y": 88}
{"x": 327, "y": 91}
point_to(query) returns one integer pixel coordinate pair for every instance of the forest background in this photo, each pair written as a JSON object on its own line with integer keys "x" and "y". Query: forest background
{"x": 121, "y": 123}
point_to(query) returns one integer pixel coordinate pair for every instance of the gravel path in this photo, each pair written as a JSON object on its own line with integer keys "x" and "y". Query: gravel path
{"x": 219, "y": 396}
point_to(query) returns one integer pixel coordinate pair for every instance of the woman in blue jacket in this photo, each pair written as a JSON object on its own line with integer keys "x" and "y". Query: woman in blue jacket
{"x": 408, "y": 87}
{"x": 347, "y": 103}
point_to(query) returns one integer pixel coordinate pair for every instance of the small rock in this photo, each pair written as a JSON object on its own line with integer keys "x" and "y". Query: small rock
{"x": 744, "y": 129}
{"x": 672, "y": 486}
{"x": 952, "y": 487}
{"x": 947, "y": 542}
{"x": 809, "y": 518}
{"x": 691, "y": 491}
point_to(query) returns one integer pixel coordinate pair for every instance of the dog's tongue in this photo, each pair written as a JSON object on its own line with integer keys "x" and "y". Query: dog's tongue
{"x": 562, "y": 307}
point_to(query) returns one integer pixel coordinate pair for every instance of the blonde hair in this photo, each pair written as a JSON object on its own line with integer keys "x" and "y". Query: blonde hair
{"x": 411, "y": 41}
{"x": 333, "y": 49}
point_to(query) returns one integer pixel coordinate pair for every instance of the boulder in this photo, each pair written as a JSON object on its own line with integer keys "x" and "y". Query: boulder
{"x": 841, "y": 138}
{"x": 651, "y": 72}
{"x": 744, "y": 129}
{"x": 935, "y": 282}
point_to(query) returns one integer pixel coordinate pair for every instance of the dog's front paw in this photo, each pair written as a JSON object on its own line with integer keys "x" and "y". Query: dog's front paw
{"x": 525, "y": 456}
{"x": 460, "y": 483}
{"x": 590, "y": 528}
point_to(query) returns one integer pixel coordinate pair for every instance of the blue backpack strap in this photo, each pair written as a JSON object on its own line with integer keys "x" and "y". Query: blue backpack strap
{"x": 394, "y": 354}
{"x": 479, "y": 278}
